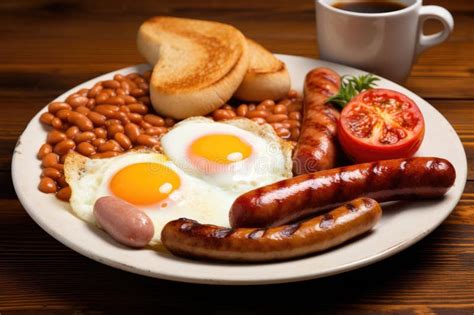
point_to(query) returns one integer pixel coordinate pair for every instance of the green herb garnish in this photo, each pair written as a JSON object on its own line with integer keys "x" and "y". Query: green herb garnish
{"x": 351, "y": 86}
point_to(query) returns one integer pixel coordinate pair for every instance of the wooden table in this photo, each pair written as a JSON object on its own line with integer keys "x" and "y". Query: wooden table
{"x": 47, "y": 47}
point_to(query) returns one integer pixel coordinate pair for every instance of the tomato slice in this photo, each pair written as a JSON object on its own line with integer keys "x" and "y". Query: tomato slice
{"x": 380, "y": 124}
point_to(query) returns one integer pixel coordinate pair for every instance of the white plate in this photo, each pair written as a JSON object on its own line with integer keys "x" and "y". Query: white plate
{"x": 401, "y": 226}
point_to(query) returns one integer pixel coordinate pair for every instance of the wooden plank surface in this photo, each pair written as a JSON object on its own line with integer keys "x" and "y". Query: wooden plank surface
{"x": 50, "y": 46}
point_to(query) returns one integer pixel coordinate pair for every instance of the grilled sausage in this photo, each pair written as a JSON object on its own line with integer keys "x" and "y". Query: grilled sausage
{"x": 316, "y": 147}
{"x": 297, "y": 197}
{"x": 184, "y": 237}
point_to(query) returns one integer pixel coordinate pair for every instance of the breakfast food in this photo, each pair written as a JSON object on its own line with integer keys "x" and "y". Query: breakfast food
{"x": 200, "y": 66}
{"x": 188, "y": 238}
{"x": 300, "y": 196}
{"x": 266, "y": 77}
{"x": 125, "y": 223}
{"x": 380, "y": 124}
{"x": 316, "y": 148}
{"x": 236, "y": 155}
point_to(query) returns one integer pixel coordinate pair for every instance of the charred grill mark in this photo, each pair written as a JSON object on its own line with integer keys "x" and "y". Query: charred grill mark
{"x": 327, "y": 221}
{"x": 371, "y": 174}
{"x": 222, "y": 233}
{"x": 290, "y": 229}
{"x": 187, "y": 225}
{"x": 350, "y": 206}
{"x": 256, "y": 234}
{"x": 368, "y": 203}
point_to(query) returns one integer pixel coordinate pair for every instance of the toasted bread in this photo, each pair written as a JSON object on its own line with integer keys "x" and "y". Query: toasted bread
{"x": 199, "y": 64}
{"x": 266, "y": 77}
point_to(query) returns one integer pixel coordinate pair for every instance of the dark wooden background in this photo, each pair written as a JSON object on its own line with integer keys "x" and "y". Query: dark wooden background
{"x": 48, "y": 47}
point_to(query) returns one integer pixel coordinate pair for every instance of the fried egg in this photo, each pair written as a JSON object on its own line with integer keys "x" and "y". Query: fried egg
{"x": 151, "y": 182}
{"x": 236, "y": 155}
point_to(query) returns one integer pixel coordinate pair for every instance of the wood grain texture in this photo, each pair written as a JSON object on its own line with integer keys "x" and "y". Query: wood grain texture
{"x": 49, "y": 46}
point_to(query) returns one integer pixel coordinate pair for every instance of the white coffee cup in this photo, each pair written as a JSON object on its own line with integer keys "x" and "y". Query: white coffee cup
{"x": 386, "y": 44}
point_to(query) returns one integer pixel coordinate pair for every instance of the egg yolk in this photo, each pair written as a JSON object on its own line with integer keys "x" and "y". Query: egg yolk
{"x": 221, "y": 148}
{"x": 144, "y": 183}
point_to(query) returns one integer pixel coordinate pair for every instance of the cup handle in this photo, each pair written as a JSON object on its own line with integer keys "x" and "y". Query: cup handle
{"x": 438, "y": 13}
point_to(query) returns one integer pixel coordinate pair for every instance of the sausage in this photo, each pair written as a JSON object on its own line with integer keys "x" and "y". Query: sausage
{"x": 125, "y": 223}
{"x": 184, "y": 237}
{"x": 316, "y": 147}
{"x": 297, "y": 197}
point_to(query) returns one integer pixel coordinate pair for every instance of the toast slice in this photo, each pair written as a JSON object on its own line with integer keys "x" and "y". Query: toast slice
{"x": 267, "y": 77}
{"x": 198, "y": 64}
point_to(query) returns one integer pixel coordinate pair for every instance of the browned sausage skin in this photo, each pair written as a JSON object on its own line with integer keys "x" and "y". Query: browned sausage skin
{"x": 316, "y": 147}
{"x": 184, "y": 237}
{"x": 297, "y": 197}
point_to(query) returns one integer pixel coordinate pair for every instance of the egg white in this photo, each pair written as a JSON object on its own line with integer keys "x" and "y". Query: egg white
{"x": 195, "y": 199}
{"x": 270, "y": 160}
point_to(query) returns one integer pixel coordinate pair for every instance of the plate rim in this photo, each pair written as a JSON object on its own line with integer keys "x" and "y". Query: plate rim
{"x": 356, "y": 264}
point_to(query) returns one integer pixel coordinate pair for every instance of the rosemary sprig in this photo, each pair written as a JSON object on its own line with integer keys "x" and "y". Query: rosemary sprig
{"x": 351, "y": 86}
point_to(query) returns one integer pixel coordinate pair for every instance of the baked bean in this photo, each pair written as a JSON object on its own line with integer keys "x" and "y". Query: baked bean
{"x": 138, "y": 108}
{"x": 85, "y": 136}
{"x": 252, "y": 107}
{"x": 64, "y": 194}
{"x": 124, "y": 109}
{"x": 100, "y": 133}
{"x": 144, "y": 86}
{"x": 132, "y": 76}
{"x": 292, "y": 93}
{"x": 81, "y": 120}
{"x": 96, "y": 118}
{"x": 268, "y": 103}
{"x": 258, "y": 114}
{"x": 86, "y": 149}
{"x": 118, "y": 77}
{"x": 154, "y": 120}
{"x": 110, "y": 145}
{"x": 56, "y": 123}
{"x": 71, "y": 132}
{"x": 57, "y": 106}
{"x": 135, "y": 118}
{"x": 145, "y": 100}
{"x": 98, "y": 142}
{"x": 145, "y": 125}
{"x": 277, "y": 118}
{"x": 44, "y": 149}
{"x": 55, "y": 136}
{"x": 62, "y": 181}
{"x": 295, "y": 116}
{"x": 280, "y": 109}
{"x": 51, "y": 173}
{"x": 63, "y": 147}
{"x": 63, "y": 114}
{"x": 295, "y": 107}
{"x": 285, "y": 102}
{"x": 294, "y": 123}
{"x": 132, "y": 131}
{"x": 111, "y": 84}
{"x": 242, "y": 110}
{"x": 222, "y": 114}
{"x": 259, "y": 120}
{"x": 295, "y": 133}
{"x": 155, "y": 131}
{"x": 104, "y": 155}
{"x": 82, "y": 109}
{"x": 261, "y": 107}
{"x": 283, "y": 133}
{"x": 226, "y": 106}
{"x": 46, "y": 118}
{"x": 116, "y": 100}
{"x": 101, "y": 98}
{"x": 77, "y": 101}
{"x": 147, "y": 75}
{"x": 91, "y": 103}
{"x": 123, "y": 140}
{"x": 276, "y": 125}
{"x": 142, "y": 147}
{"x": 113, "y": 129}
{"x": 122, "y": 117}
{"x": 285, "y": 124}
{"x": 136, "y": 92}
{"x": 59, "y": 167}
{"x": 62, "y": 158}
{"x": 107, "y": 111}
{"x": 147, "y": 140}
{"x": 139, "y": 80}
{"x": 169, "y": 122}
{"x": 49, "y": 160}
{"x": 110, "y": 122}
{"x": 82, "y": 92}
{"x": 125, "y": 86}
{"x": 47, "y": 185}
{"x": 109, "y": 92}
{"x": 129, "y": 99}
{"x": 94, "y": 91}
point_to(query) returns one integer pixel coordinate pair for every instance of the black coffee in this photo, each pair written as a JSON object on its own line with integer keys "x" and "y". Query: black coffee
{"x": 369, "y": 6}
